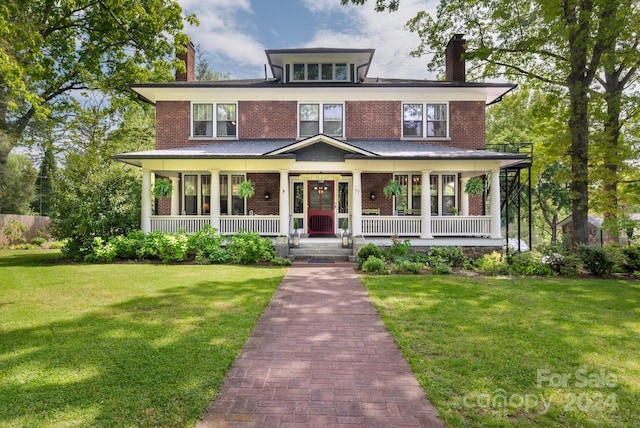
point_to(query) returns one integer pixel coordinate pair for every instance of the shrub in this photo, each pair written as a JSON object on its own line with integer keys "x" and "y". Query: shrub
{"x": 100, "y": 252}
{"x": 375, "y": 264}
{"x": 249, "y": 247}
{"x": 597, "y": 260}
{"x": 206, "y": 242}
{"x": 440, "y": 267}
{"x": 418, "y": 257}
{"x": 557, "y": 257}
{"x": 492, "y": 264}
{"x": 217, "y": 255}
{"x": 399, "y": 249}
{"x": 281, "y": 261}
{"x": 527, "y": 264}
{"x": 632, "y": 258}
{"x": 14, "y": 231}
{"x": 406, "y": 266}
{"x": 38, "y": 241}
{"x": 368, "y": 250}
{"x": 450, "y": 255}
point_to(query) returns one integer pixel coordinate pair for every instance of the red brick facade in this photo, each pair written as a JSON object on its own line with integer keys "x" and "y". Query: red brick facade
{"x": 278, "y": 120}
{"x": 374, "y": 183}
{"x": 173, "y": 125}
{"x": 267, "y": 119}
{"x": 264, "y": 183}
{"x": 467, "y": 127}
{"x": 373, "y": 119}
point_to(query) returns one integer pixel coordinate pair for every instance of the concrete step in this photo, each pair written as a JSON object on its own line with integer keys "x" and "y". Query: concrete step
{"x": 329, "y": 249}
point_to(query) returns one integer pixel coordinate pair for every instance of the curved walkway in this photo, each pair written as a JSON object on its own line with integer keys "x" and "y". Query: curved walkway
{"x": 320, "y": 357}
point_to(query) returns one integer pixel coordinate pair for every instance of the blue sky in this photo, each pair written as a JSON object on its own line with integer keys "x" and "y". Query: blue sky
{"x": 233, "y": 34}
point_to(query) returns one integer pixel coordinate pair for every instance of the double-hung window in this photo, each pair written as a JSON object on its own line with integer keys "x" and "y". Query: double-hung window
{"x": 203, "y": 120}
{"x": 325, "y": 119}
{"x": 425, "y": 120}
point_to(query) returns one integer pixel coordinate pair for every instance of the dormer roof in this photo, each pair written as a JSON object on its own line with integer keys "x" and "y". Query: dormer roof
{"x": 359, "y": 58}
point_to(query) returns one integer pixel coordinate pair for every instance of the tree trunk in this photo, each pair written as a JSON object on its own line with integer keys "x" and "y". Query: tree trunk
{"x": 554, "y": 229}
{"x": 612, "y": 159}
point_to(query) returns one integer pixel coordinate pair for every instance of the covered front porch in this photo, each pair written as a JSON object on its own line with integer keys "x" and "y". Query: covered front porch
{"x": 321, "y": 186}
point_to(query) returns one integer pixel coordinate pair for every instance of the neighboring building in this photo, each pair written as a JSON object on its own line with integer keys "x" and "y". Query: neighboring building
{"x": 597, "y": 235}
{"x": 320, "y": 141}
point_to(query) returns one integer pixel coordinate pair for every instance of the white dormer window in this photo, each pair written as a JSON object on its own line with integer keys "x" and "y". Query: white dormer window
{"x": 425, "y": 120}
{"x": 203, "y": 120}
{"x": 325, "y": 72}
{"x": 319, "y": 118}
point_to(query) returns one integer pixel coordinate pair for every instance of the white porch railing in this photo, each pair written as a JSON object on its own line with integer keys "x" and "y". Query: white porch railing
{"x": 391, "y": 225}
{"x": 173, "y": 224}
{"x": 268, "y": 225}
{"x": 461, "y": 226}
{"x": 265, "y": 225}
{"x": 440, "y": 226}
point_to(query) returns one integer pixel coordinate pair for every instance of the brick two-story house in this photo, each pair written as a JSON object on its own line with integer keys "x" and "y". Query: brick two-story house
{"x": 320, "y": 141}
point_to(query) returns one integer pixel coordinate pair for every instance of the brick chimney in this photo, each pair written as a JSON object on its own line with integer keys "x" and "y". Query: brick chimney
{"x": 455, "y": 67}
{"x": 189, "y": 59}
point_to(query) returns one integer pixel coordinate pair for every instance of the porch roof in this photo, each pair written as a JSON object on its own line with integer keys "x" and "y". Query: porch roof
{"x": 396, "y": 149}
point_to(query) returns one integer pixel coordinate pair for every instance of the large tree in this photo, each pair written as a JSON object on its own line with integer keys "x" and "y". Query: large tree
{"x": 52, "y": 49}
{"x": 557, "y": 43}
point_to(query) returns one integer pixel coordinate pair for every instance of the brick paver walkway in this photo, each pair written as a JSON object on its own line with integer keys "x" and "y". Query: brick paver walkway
{"x": 320, "y": 357}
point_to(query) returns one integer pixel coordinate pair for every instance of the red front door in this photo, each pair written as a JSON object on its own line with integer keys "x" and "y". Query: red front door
{"x": 320, "y": 212}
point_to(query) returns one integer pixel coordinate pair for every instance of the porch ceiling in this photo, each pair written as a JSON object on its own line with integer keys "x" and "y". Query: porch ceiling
{"x": 371, "y": 150}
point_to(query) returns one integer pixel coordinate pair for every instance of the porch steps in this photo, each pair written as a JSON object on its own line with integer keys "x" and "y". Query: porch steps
{"x": 321, "y": 249}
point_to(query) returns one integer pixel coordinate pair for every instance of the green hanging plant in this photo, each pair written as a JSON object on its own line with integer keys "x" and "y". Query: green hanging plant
{"x": 475, "y": 186}
{"x": 393, "y": 188}
{"x": 162, "y": 188}
{"x": 246, "y": 189}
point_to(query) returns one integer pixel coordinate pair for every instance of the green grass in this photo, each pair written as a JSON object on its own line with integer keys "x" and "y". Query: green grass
{"x": 478, "y": 343}
{"x": 120, "y": 345}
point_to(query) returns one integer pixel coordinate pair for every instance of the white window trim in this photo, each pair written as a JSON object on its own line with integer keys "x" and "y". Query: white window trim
{"x": 321, "y": 118}
{"x": 214, "y": 119}
{"x": 199, "y": 194}
{"x": 447, "y": 137}
{"x": 410, "y": 175}
{"x": 319, "y": 79}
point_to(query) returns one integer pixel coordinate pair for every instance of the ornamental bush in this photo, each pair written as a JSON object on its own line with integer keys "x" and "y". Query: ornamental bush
{"x": 631, "y": 263}
{"x": 597, "y": 260}
{"x": 249, "y": 247}
{"x": 375, "y": 265}
{"x": 368, "y": 250}
{"x": 408, "y": 267}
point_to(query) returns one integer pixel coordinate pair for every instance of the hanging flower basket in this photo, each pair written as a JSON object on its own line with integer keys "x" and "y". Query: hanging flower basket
{"x": 246, "y": 189}
{"x": 162, "y": 188}
{"x": 393, "y": 188}
{"x": 475, "y": 186}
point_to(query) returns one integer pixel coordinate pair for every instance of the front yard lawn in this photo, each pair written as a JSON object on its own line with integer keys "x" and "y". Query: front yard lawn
{"x": 120, "y": 345}
{"x": 519, "y": 352}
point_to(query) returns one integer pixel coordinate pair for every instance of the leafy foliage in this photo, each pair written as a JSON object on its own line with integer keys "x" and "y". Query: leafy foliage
{"x": 249, "y": 247}
{"x": 597, "y": 260}
{"x": 376, "y": 265}
{"x": 368, "y": 250}
{"x": 14, "y": 232}
{"x": 104, "y": 204}
{"x": 18, "y": 189}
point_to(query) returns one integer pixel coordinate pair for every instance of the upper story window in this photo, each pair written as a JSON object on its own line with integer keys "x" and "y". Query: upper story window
{"x": 425, "y": 120}
{"x": 324, "y": 71}
{"x": 225, "y": 120}
{"x": 318, "y": 118}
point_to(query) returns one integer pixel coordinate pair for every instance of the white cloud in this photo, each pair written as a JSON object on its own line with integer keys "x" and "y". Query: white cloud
{"x": 228, "y": 28}
{"x": 220, "y": 35}
{"x": 383, "y": 31}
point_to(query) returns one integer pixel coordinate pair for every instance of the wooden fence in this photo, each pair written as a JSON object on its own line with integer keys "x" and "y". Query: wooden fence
{"x": 32, "y": 223}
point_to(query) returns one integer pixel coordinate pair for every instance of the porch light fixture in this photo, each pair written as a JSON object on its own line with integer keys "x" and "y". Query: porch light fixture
{"x": 267, "y": 196}
{"x": 372, "y": 196}
{"x": 320, "y": 189}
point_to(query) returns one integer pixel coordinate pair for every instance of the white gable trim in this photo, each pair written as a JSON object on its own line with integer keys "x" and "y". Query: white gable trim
{"x": 321, "y": 138}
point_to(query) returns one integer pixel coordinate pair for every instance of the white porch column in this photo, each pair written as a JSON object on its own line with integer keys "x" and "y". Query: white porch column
{"x": 356, "y": 205}
{"x": 495, "y": 204}
{"x": 283, "y": 198}
{"x": 464, "y": 200}
{"x": 214, "y": 205}
{"x": 145, "y": 207}
{"x": 425, "y": 205}
{"x": 175, "y": 196}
